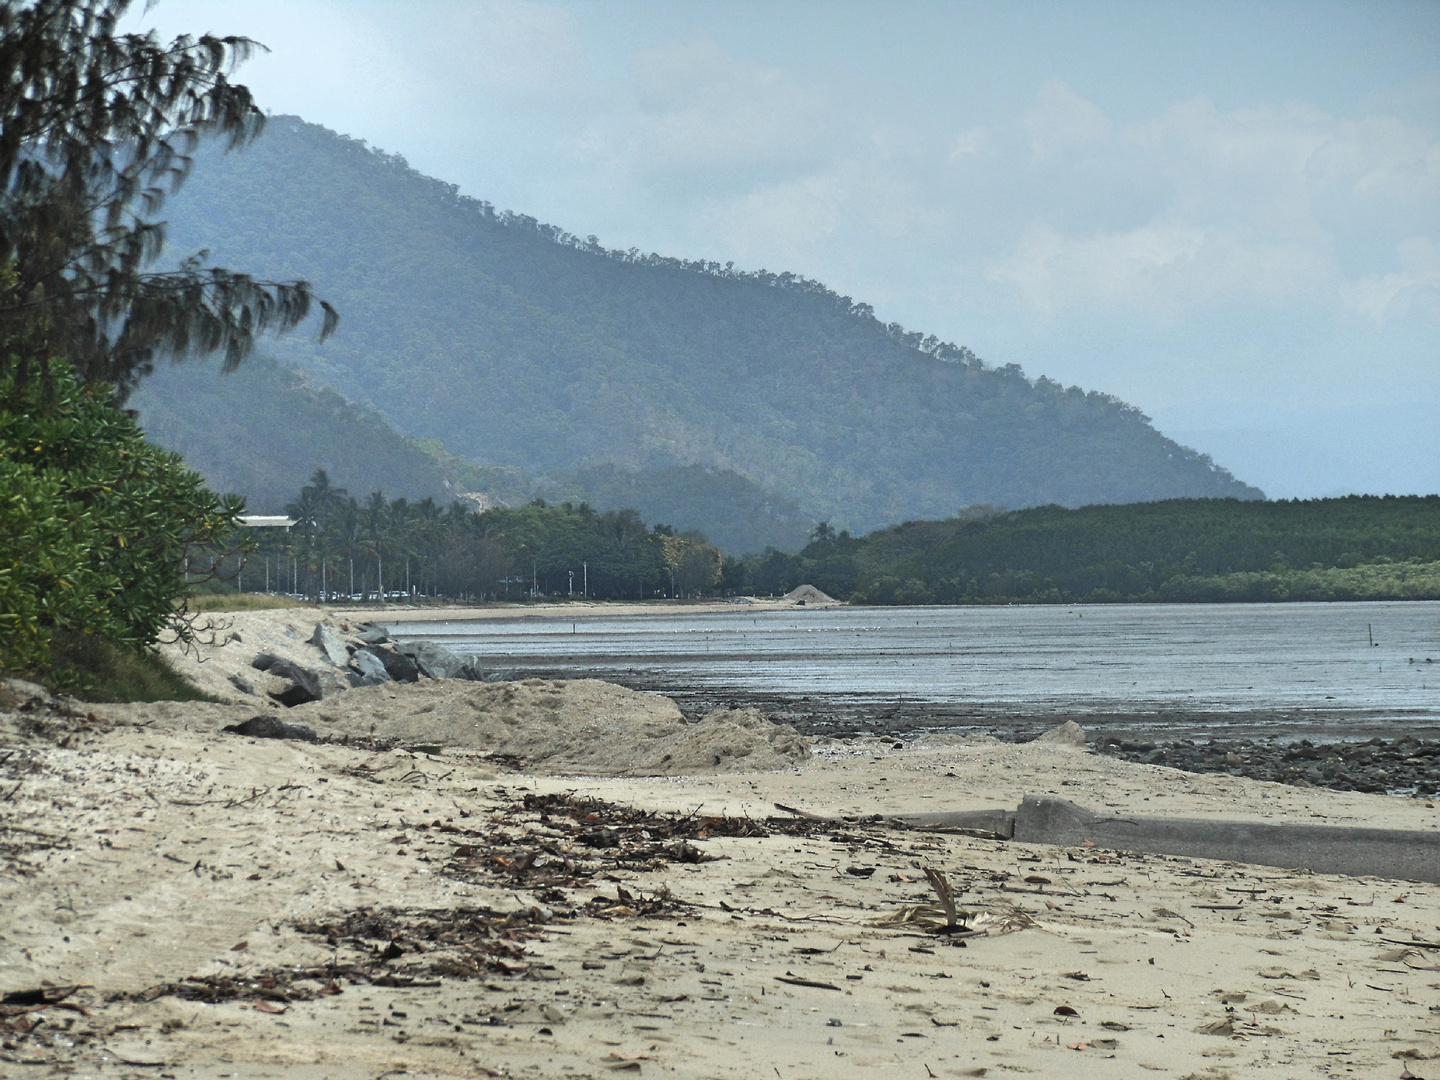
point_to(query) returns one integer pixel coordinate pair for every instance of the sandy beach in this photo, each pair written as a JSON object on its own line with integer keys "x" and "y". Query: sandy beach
{"x": 239, "y": 907}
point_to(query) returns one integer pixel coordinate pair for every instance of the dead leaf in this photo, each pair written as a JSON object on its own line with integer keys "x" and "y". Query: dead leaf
{"x": 241, "y": 947}
{"x": 267, "y": 1007}
{"x": 1065, "y": 1010}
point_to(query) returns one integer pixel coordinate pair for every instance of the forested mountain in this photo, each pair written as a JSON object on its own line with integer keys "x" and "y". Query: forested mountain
{"x": 514, "y": 344}
{"x": 264, "y": 429}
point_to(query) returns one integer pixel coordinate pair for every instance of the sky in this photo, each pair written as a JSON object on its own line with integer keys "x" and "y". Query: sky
{"x": 1226, "y": 214}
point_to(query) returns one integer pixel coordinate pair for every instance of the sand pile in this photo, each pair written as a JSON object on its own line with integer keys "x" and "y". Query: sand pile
{"x": 582, "y": 726}
{"x": 809, "y": 596}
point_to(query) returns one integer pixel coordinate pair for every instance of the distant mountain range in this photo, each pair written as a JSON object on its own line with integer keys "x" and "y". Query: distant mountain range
{"x": 553, "y": 364}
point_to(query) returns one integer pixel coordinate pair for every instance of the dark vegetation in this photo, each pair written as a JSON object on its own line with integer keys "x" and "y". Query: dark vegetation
{"x": 1358, "y": 547}
{"x": 95, "y": 523}
{"x": 555, "y": 355}
{"x": 346, "y": 547}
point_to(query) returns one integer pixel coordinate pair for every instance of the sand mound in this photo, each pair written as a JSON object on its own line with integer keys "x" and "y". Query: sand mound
{"x": 582, "y": 726}
{"x": 809, "y": 596}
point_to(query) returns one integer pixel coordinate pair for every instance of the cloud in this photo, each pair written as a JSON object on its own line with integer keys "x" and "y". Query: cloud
{"x": 1163, "y": 267}
{"x": 1283, "y": 206}
{"x": 1416, "y": 286}
{"x": 1061, "y": 119}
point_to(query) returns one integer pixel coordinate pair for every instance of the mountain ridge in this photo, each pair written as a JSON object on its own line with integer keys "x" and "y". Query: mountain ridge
{"x": 514, "y": 343}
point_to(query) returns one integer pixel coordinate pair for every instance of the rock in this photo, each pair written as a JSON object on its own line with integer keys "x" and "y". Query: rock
{"x": 402, "y": 668}
{"x": 18, "y": 693}
{"x": 329, "y": 643}
{"x": 435, "y": 661}
{"x": 264, "y": 661}
{"x": 1067, "y": 734}
{"x": 306, "y": 684}
{"x": 270, "y": 727}
{"x": 371, "y": 634}
{"x": 371, "y": 668}
{"x": 244, "y": 685}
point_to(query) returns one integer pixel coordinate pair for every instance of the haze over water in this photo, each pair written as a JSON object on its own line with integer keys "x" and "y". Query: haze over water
{"x": 1172, "y": 670}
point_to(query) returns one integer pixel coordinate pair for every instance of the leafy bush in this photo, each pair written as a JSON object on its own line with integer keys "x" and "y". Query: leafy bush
{"x": 94, "y": 522}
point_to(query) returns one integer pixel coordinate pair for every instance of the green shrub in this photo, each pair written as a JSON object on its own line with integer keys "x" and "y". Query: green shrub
{"x": 94, "y": 522}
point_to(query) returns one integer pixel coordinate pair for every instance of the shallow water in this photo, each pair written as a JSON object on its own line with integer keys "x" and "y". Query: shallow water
{"x": 1172, "y": 669}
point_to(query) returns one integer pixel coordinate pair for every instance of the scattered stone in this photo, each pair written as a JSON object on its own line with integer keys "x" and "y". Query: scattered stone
{"x": 264, "y": 661}
{"x": 244, "y": 685}
{"x": 270, "y": 727}
{"x": 371, "y": 634}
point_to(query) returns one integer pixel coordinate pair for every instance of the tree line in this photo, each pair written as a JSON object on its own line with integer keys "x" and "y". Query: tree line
{"x": 1180, "y": 550}
{"x": 369, "y": 549}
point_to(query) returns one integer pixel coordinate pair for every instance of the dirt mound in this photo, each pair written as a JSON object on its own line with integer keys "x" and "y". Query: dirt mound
{"x": 582, "y": 726}
{"x": 809, "y": 596}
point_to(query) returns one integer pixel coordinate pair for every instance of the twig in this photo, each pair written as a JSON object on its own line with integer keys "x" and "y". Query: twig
{"x": 943, "y": 891}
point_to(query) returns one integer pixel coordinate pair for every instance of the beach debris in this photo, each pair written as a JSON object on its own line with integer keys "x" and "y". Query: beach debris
{"x": 796, "y": 980}
{"x": 270, "y": 727}
{"x": 942, "y": 888}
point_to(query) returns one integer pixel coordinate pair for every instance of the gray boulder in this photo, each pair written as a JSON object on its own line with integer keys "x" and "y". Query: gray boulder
{"x": 329, "y": 643}
{"x": 264, "y": 661}
{"x": 436, "y": 661}
{"x": 371, "y": 634}
{"x": 371, "y": 668}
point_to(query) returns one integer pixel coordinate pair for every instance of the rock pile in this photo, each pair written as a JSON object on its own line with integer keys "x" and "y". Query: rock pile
{"x": 367, "y": 658}
{"x": 1403, "y": 766}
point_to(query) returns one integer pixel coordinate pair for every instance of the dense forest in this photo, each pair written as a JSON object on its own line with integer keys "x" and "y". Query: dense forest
{"x": 345, "y": 547}
{"x": 1179, "y": 550}
{"x": 1175, "y": 550}
{"x": 516, "y": 345}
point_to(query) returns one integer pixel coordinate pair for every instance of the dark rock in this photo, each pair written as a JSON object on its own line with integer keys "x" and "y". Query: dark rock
{"x": 244, "y": 685}
{"x": 372, "y": 635}
{"x": 263, "y": 661}
{"x": 400, "y": 667}
{"x": 270, "y": 727}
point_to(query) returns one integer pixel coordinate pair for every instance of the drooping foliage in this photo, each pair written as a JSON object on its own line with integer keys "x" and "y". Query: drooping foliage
{"x": 97, "y": 129}
{"x": 1357, "y": 547}
{"x": 94, "y": 521}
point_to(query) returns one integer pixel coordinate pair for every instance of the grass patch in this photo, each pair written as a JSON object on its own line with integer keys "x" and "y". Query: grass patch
{"x": 95, "y": 670}
{"x": 232, "y": 601}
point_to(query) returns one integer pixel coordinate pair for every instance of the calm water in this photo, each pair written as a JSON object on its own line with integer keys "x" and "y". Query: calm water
{"x": 1277, "y": 668}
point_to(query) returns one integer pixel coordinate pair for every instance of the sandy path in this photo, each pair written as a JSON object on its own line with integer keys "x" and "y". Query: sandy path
{"x": 173, "y": 844}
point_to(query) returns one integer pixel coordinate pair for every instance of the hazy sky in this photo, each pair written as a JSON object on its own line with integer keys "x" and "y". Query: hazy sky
{"x": 1227, "y": 214}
